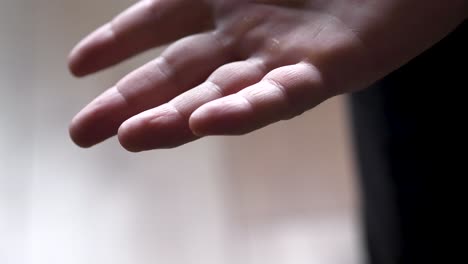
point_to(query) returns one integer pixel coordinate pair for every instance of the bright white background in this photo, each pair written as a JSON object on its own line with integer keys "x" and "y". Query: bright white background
{"x": 283, "y": 195}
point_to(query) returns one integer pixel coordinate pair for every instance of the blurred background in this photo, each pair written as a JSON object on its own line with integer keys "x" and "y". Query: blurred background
{"x": 285, "y": 194}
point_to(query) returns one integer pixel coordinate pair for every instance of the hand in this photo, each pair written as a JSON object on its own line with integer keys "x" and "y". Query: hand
{"x": 243, "y": 64}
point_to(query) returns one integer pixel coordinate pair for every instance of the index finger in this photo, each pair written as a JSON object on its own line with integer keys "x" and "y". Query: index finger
{"x": 147, "y": 24}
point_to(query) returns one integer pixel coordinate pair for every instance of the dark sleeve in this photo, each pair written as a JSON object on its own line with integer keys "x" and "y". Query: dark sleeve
{"x": 409, "y": 131}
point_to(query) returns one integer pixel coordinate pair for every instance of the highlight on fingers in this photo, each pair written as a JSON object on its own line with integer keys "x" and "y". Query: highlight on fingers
{"x": 182, "y": 66}
{"x": 230, "y": 102}
{"x": 167, "y": 126}
{"x": 282, "y": 94}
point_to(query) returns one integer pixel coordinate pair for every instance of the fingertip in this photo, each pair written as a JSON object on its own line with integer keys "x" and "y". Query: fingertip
{"x": 126, "y": 137}
{"x": 201, "y": 121}
{"x": 226, "y": 116}
{"x": 76, "y": 135}
{"x": 159, "y": 128}
{"x": 95, "y": 52}
{"x": 99, "y": 120}
{"x": 80, "y": 55}
{"x": 197, "y": 123}
{"x": 74, "y": 63}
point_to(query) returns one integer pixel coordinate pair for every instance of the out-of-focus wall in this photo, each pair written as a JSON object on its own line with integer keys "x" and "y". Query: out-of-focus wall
{"x": 16, "y": 129}
{"x": 284, "y": 194}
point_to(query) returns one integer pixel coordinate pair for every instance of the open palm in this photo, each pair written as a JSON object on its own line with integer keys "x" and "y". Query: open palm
{"x": 240, "y": 65}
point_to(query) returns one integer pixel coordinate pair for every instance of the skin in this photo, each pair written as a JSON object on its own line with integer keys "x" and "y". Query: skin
{"x": 239, "y": 65}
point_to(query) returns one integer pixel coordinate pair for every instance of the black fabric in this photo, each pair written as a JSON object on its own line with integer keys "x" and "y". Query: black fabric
{"x": 409, "y": 128}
